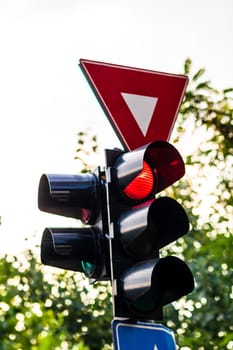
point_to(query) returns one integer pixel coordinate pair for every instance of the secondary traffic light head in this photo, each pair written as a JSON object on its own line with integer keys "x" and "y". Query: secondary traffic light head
{"x": 84, "y": 249}
{"x": 76, "y": 196}
{"x": 77, "y": 249}
{"x": 141, "y": 226}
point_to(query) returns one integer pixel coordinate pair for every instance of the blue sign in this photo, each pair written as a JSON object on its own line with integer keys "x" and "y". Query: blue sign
{"x": 142, "y": 336}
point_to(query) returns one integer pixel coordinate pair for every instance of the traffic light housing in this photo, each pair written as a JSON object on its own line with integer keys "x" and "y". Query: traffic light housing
{"x": 83, "y": 249}
{"x": 140, "y": 225}
{"x": 125, "y": 226}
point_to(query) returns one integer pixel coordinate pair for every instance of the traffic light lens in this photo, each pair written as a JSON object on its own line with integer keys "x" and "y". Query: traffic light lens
{"x": 141, "y": 186}
{"x": 88, "y": 268}
{"x": 147, "y": 302}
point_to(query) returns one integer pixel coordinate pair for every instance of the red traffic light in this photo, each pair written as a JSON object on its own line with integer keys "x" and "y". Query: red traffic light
{"x": 140, "y": 225}
{"x": 142, "y": 173}
{"x": 142, "y": 185}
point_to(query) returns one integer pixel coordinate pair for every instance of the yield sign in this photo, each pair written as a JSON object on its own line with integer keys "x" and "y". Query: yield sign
{"x": 142, "y": 108}
{"x": 142, "y": 105}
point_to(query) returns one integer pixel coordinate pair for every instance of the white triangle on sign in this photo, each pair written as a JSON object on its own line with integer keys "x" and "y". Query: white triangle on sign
{"x": 142, "y": 108}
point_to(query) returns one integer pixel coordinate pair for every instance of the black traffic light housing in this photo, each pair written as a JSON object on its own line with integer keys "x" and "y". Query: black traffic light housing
{"x": 83, "y": 249}
{"x": 126, "y": 225}
{"x": 140, "y": 226}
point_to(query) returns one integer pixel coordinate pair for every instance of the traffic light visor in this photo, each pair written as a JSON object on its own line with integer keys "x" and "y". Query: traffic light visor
{"x": 71, "y": 248}
{"x": 142, "y": 173}
{"x": 151, "y": 284}
{"x": 147, "y": 227}
{"x": 74, "y": 196}
{"x": 166, "y": 163}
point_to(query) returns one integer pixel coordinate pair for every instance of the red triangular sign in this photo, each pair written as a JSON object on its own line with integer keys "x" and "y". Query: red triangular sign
{"x": 141, "y": 105}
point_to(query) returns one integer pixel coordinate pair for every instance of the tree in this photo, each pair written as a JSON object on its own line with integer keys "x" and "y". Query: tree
{"x": 204, "y": 319}
{"x": 42, "y": 308}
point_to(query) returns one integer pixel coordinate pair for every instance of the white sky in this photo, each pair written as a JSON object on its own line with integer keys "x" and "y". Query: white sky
{"x": 45, "y": 100}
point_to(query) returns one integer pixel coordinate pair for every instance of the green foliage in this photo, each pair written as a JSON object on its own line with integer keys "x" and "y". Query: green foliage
{"x": 87, "y": 145}
{"x": 43, "y": 309}
{"x": 203, "y": 320}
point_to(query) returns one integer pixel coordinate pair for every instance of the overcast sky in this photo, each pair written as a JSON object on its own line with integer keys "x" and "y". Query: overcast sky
{"x": 45, "y": 100}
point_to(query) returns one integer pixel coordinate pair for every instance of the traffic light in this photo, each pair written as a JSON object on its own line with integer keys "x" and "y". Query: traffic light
{"x": 125, "y": 228}
{"x": 140, "y": 225}
{"x": 83, "y": 249}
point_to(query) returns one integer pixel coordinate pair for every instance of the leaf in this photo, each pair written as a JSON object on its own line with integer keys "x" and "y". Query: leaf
{"x": 198, "y": 74}
{"x": 203, "y": 85}
{"x": 187, "y": 66}
{"x": 225, "y": 91}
